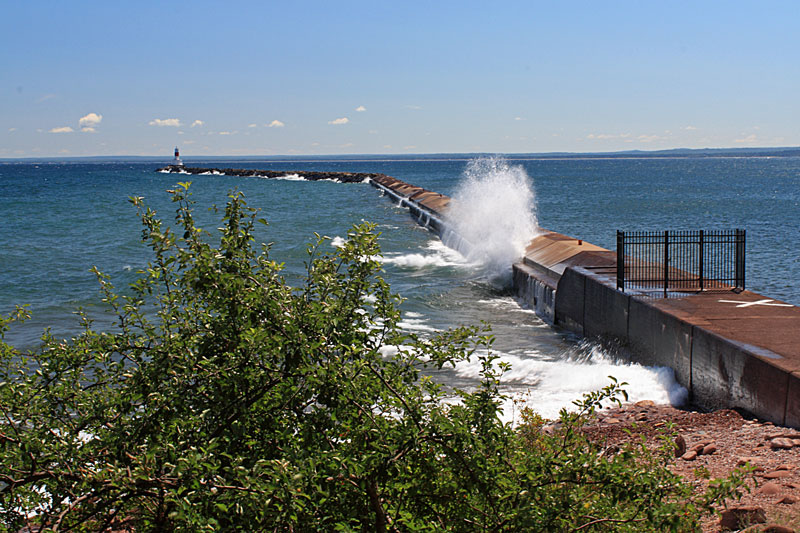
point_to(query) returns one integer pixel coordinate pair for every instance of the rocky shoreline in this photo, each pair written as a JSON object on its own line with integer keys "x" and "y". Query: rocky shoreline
{"x": 711, "y": 445}
{"x": 341, "y": 177}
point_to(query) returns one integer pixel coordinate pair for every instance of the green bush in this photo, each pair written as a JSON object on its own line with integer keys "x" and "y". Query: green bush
{"x": 225, "y": 399}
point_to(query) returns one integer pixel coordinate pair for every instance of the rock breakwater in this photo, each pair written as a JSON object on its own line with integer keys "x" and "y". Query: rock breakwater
{"x": 341, "y": 177}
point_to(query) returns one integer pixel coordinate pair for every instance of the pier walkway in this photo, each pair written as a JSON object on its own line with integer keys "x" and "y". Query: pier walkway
{"x": 730, "y": 350}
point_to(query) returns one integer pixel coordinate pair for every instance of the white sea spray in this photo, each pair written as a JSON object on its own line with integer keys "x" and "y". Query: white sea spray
{"x": 494, "y": 211}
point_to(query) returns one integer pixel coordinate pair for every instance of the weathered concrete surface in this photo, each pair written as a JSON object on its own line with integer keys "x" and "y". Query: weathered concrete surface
{"x": 428, "y": 208}
{"x": 550, "y": 251}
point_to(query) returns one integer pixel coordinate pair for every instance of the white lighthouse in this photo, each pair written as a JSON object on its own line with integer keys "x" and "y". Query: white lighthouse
{"x": 177, "y": 161}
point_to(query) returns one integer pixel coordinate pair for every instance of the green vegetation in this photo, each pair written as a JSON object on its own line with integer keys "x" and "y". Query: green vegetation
{"x": 228, "y": 400}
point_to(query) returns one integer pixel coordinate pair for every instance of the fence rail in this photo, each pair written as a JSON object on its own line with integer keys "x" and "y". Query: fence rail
{"x": 681, "y": 261}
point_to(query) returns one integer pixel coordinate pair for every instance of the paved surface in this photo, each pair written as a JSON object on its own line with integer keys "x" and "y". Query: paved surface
{"x": 748, "y": 318}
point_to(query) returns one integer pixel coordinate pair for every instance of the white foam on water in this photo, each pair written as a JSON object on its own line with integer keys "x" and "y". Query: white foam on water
{"x": 416, "y": 325}
{"x": 439, "y": 256}
{"x": 494, "y": 210}
{"x": 290, "y": 177}
{"x": 554, "y": 385}
{"x": 338, "y": 242}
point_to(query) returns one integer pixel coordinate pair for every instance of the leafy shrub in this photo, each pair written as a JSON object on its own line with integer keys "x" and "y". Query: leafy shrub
{"x": 227, "y": 400}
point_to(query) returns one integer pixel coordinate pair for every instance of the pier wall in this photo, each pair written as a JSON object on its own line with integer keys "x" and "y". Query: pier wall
{"x": 728, "y": 350}
{"x": 694, "y": 335}
{"x": 426, "y": 207}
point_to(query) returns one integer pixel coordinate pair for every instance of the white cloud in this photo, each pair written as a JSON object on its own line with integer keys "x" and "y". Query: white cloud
{"x": 91, "y": 120}
{"x": 252, "y": 125}
{"x": 171, "y": 122}
{"x": 228, "y": 133}
{"x": 276, "y": 124}
{"x": 415, "y": 107}
{"x": 12, "y": 130}
{"x": 339, "y": 121}
{"x": 361, "y": 108}
{"x": 197, "y": 123}
{"x": 45, "y": 98}
{"x": 88, "y": 129}
{"x": 689, "y": 128}
{"x": 518, "y": 118}
{"x": 62, "y": 129}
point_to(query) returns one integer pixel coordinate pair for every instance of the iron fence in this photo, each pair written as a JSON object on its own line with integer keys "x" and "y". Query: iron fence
{"x": 681, "y": 261}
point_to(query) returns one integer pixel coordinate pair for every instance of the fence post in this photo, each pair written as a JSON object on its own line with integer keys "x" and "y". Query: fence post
{"x": 666, "y": 262}
{"x": 621, "y": 260}
{"x": 740, "y": 250}
{"x": 700, "y": 260}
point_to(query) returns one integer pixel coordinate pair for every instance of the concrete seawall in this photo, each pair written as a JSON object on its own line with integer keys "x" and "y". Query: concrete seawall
{"x": 428, "y": 208}
{"x": 729, "y": 350}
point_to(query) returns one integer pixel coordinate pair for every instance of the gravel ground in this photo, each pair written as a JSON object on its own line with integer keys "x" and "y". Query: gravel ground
{"x": 721, "y": 440}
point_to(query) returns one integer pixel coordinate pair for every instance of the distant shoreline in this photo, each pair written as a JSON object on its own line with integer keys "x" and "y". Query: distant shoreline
{"x": 676, "y": 153}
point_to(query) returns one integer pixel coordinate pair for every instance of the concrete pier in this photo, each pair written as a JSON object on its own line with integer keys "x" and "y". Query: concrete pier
{"x": 730, "y": 350}
{"x": 428, "y": 208}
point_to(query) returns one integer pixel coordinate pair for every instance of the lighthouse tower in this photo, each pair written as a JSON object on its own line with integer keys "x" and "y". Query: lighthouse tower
{"x": 177, "y": 161}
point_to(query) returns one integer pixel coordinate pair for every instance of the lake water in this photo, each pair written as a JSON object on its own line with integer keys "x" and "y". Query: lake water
{"x": 61, "y": 218}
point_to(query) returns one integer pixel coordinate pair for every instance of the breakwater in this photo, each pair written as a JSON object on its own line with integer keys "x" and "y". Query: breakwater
{"x": 428, "y": 208}
{"x": 729, "y": 350}
{"x": 341, "y": 177}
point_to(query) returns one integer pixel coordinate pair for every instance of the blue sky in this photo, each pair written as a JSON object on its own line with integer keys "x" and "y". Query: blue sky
{"x": 282, "y": 78}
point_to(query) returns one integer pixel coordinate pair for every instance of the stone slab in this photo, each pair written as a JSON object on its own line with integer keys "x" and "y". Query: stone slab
{"x": 605, "y": 312}
{"x": 792, "y": 417}
{"x": 570, "y": 301}
{"x": 660, "y": 339}
{"x": 724, "y": 376}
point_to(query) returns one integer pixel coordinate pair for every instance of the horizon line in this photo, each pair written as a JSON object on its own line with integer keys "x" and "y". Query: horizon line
{"x": 417, "y": 154}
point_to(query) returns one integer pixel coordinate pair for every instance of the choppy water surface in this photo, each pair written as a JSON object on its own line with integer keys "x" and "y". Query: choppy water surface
{"x": 59, "y": 219}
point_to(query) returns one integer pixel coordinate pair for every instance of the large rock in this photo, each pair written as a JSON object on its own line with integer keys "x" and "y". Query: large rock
{"x": 741, "y": 517}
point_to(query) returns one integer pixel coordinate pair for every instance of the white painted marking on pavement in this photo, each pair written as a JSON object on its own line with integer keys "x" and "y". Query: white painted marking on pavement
{"x": 765, "y": 302}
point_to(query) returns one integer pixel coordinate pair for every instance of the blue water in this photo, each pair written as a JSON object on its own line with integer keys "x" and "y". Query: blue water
{"x": 59, "y": 219}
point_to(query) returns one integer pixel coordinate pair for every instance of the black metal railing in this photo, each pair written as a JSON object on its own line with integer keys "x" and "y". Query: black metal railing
{"x": 681, "y": 261}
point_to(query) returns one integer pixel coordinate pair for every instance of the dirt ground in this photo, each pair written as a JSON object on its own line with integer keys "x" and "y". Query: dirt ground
{"x": 722, "y": 440}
